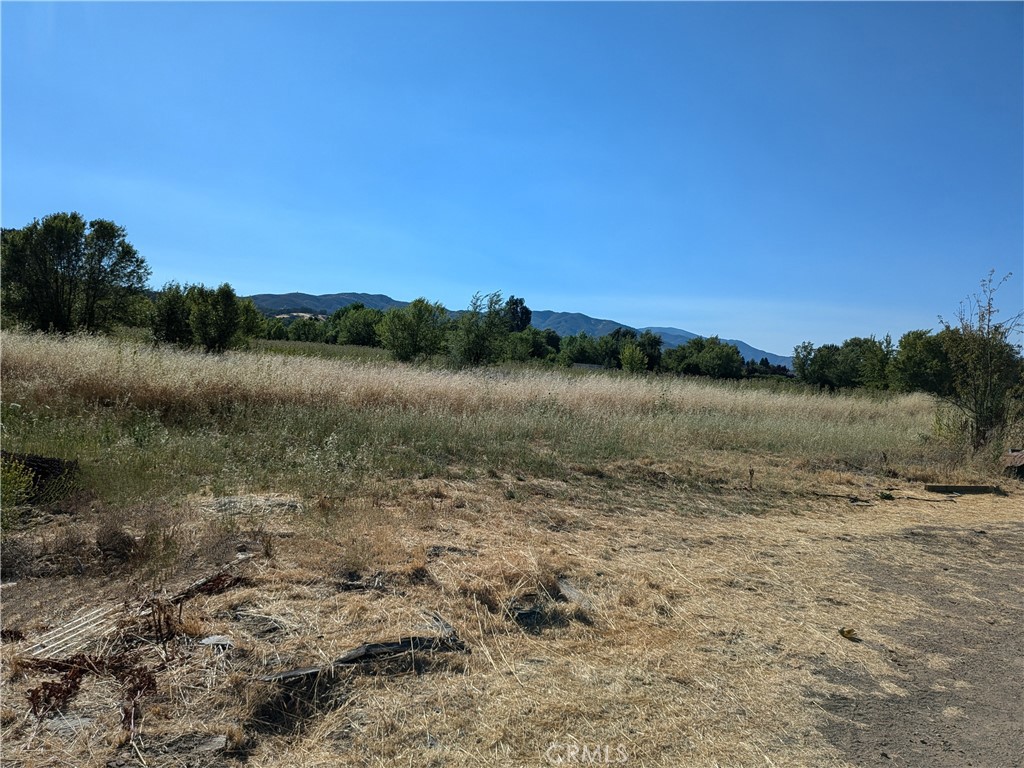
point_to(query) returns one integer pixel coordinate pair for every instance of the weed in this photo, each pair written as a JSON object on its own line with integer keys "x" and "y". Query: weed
{"x": 16, "y": 482}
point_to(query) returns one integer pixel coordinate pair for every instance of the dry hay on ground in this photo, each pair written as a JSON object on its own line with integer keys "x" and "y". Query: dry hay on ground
{"x": 703, "y": 636}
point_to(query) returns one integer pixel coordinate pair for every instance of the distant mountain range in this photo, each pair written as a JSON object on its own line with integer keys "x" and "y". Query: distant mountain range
{"x": 563, "y": 323}
{"x": 325, "y": 304}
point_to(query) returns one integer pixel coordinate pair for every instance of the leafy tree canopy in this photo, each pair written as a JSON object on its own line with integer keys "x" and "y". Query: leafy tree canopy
{"x": 414, "y": 331}
{"x": 63, "y": 274}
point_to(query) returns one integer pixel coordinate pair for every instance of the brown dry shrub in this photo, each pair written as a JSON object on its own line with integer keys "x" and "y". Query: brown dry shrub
{"x": 113, "y": 541}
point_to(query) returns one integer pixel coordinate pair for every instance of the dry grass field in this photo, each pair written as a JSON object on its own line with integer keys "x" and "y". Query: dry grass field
{"x": 571, "y": 570}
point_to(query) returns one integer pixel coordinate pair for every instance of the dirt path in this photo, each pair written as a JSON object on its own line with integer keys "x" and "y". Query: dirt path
{"x": 954, "y": 697}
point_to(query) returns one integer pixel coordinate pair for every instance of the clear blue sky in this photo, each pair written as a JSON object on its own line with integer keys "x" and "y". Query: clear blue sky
{"x": 768, "y": 172}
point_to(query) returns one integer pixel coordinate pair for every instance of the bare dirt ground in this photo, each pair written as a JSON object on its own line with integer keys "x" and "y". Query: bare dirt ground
{"x": 957, "y": 696}
{"x": 705, "y": 631}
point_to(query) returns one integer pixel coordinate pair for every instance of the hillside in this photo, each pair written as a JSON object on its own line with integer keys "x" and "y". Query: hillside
{"x": 324, "y": 304}
{"x": 563, "y": 323}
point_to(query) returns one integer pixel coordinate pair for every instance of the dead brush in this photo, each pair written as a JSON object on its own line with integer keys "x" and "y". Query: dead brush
{"x": 136, "y": 679}
{"x": 520, "y": 588}
{"x": 113, "y": 541}
{"x": 68, "y": 550}
{"x": 288, "y": 708}
{"x": 162, "y": 541}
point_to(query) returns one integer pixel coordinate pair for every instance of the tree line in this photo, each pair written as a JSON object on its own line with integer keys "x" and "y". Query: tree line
{"x": 65, "y": 274}
{"x": 497, "y": 330}
{"x": 970, "y": 363}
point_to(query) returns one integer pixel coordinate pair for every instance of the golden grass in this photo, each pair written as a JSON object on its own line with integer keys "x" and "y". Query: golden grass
{"x": 701, "y": 641}
{"x": 589, "y": 415}
{"x": 711, "y": 599}
{"x": 100, "y": 369}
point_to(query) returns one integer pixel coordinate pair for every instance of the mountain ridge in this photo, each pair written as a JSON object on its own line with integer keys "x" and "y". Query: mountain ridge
{"x": 563, "y": 323}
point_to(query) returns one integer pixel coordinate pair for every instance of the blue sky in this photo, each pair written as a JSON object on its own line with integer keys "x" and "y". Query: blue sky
{"x": 768, "y": 172}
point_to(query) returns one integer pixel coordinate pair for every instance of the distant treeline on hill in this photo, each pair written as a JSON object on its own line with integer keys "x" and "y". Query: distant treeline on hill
{"x": 291, "y": 305}
{"x": 494, "y": 329}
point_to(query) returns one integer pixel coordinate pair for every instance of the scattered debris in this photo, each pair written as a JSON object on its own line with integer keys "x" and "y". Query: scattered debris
{"x": 352, "y": 582}
{"x": 534, "y": 612}
{"x": 157, "y": 614}
{"x": 374, "y": 652}
{"x": 195, "y": 750}
{"x": 213, "y": 744}
{"x": 853, "y": 499}
{"x": 237, "y": 505}
{"x": 54, "y": 695}
{"x": 68, "y": 725}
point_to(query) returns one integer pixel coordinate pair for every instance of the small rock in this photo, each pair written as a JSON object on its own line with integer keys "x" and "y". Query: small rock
{"x": 221, "y": 641}
{"x": 213, "y": 744}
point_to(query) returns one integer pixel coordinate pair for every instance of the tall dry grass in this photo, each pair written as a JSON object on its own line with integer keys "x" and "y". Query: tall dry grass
{"x": 97, "y": 369}
{"x": 264, "y": 419}
{"x": 467, "y": 493}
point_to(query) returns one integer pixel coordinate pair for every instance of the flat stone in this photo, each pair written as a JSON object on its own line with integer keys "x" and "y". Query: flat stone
{"x": 218, "y": 640}
{"x": 67, "y": 725}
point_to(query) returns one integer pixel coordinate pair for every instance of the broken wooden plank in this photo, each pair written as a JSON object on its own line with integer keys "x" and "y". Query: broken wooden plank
{"x": 965, "y": 489}
{"x": 373, "y": 651}
{"x": 370, "y": 652}
{"x": 293, "y": 674}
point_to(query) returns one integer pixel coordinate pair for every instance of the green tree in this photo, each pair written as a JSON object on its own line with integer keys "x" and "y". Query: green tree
{"x": 518, "y": 316}
{"x": 826, "y": 367}
{"x": 414, "y": 331}
{"x": 532, "y": 343}
{"x": 275, "y": 329}
{"x": 171, "y": 316}
{"x": 987, "y": 370}
{"x": 650, "y": 344}
{"x": 61, "y": 274}
{"x": 862, "y": 362}
{"x": 719, "y": 360}
{"x": 214, "y": 316}
{"x": 478, "y": 335}
{"x": 682, "y": 360}
{"x": 875, "y": 362}
{"x": 578, "y": 349}
{"x": 311, "y": 329}
{"x": 355, "y": 324}
{"x": 803, "y": 353}
{"x": 609, "y": 346}
{"x": 705, "y": 357}
{"x": 921, "y": 364}
{"x": 252, "y": 324}
{"x": 633, "y": 358}
{"x": 518, "y": 347}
